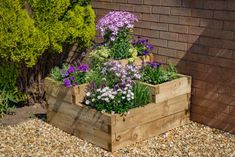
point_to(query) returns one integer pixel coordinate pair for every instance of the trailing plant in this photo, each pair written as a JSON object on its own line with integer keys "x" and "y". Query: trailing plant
{"x": 155, "y": 73}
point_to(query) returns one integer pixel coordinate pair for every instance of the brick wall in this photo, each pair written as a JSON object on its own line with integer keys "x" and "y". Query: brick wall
{"x": 198, "y": 36}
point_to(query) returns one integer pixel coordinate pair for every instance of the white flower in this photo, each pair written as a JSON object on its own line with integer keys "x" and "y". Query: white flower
{"x": 98, "y": 90}
{"x": 93, "y": 100}
{"x": 87, "y": 102}
{"x": 106, "y": 99}
{"x": 128, "y": 95}
{"x": 132, "y": 97}
{"x": 124, "y": 92}
{"x": 99, "y": 97}
{"x": 88, "y": 94}
{"x": 112, "y": 97}
{"x": 123, "y": 97}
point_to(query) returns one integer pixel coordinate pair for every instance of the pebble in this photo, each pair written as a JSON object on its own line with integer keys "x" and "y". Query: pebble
{"x": 37, "y": 138}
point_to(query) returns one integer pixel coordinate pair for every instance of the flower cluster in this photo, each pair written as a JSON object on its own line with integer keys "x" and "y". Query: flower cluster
{"x": 116, "y": 89}
{"x": 74, "y": 75}
{"x": 155, "y": 73}
{"x": 142, "y": 45}
{"x": 114, "y": 21}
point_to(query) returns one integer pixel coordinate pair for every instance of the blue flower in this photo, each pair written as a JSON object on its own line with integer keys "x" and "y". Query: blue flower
{"x": 145, "y": 52}
{"x": 154, "y": 64}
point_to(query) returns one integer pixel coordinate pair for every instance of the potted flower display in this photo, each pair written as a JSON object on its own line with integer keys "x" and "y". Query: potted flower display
{"x": 116, "y": 28}
{"x": 123, "y": 96}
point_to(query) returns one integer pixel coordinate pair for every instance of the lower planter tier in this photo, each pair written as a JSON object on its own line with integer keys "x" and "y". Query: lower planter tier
{"x": 114, "y": 131}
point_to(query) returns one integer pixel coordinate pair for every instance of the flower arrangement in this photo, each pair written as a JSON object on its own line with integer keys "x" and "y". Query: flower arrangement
{"x": 116, "y": 28}
{"x": 114, "y": 22}
{"x": 143, "y": 47}
{"x": 117, "y": 92}
{"x": 155, "y": 73}
{"x": 70, "y": 75}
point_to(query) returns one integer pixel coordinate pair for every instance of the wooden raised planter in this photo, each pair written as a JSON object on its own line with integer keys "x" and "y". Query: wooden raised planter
{"x": 115, "y": 131}
{"x": 57, "y": 92}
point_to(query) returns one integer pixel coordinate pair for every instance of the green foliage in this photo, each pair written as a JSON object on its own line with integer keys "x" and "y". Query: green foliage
{"x": 158, "y": 74}
{"x": 120, "y": 47}
{"x": 29, "y": 27}
{"x": 142, "y": 94}
{"x": 9, "y": 94}
{"x": 98, "y": 56}
{"x": 56, "y": 73}
{"x": 20, "y": 40}
{"x": 24, "y": 37}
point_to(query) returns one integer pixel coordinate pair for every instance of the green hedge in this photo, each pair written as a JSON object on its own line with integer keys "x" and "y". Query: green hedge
{"x": 31, "y": 28}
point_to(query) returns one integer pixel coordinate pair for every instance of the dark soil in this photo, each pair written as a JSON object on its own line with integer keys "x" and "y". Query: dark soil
{"x": 24, "y": 113}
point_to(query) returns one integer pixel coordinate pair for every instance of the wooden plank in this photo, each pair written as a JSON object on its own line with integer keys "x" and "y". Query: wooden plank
{"x": 171, "y": 89}
{"x": 56, "y": 89}
{"x": 151, "y": 112}
{"x": 86, "y": 114}
{"x": 80, "y": 129}
{"x": 150, "y": 129}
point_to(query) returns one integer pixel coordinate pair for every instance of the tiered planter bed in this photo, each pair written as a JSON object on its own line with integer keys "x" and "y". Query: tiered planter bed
{"x": 114, "y": 131}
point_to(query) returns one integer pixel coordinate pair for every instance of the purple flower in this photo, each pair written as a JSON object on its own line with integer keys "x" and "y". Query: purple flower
{"x": 154, "y": 64}
{"x": 115, "y": 21}
{"x": 83, "y": 67}
{"x": 72, "y": 78}
{"x": 64, "y": 73}
{"x": 71, "y": 69}
{"x": 67, "y": 82}
{"x": 145, "y": 52}
{"x": 138, "y": 36}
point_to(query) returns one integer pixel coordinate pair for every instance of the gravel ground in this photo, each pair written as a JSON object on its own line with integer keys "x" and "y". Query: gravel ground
{"x": 37, "y": 138}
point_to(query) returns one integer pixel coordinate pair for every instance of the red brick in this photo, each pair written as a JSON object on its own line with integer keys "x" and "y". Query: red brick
{"x": 177, "y": 45}
{"x": 195, "y": 30}
{"x": 166, "y": 52}
{"x": 159, "y": 26}
{"x": 160, "y": 59}
{"x": 117, "y": 1}
{"x": 180, "y": 54}
{"x": 211, "y": 23}
{"x": 218, "y": 34}
{"x": 143, "y": 8}
{"x": 181, "y": 11}
{"x": 171, "y": 2}
{"x": 219, "y": 5}
{"x": 168, "y": 35}
{"x": 224, "y": 15}
{"x": 210, "y": 42}
{"x": 229, "y": 44}
{"x": 231, "y": 5}
{"x": 152, "y": 2}
{"x": 229, "y": 25}
{"x": 150, "y": 17}
{"x": 232, "y": 110}
{"x": 150, "y": 33}
{"x": 193, "y": 3}
{"x": 202, "y": 13}
{"x": 158, "y": 42}
{"x": 225, "y": 53}
{"x": 161, "y": 10}
{"x": 127, "y": 7}
{"x": 227, "y": 118}
{"x": 178, "y": 28}
{"x": 169, "y": 19}
{"x": 188, "y": 38}
{"x": 136, "y": 1}
{"x": 189, "y": 21}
